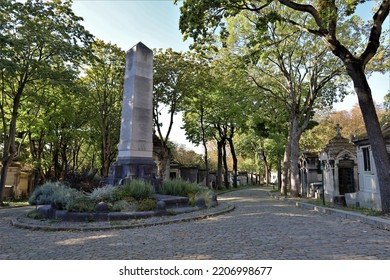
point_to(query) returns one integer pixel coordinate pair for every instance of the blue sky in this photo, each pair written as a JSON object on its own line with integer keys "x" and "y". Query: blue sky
{"x": 156, "y": 24}
{"x": 125, "y": 23}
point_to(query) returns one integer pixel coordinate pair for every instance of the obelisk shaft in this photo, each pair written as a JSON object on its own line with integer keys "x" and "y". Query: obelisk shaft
{"x": 136, "y": 135}
{"x": 135, "y": 148}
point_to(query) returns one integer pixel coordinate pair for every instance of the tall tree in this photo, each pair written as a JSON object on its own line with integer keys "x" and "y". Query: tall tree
{"x": 196, "y": 110}
{"x": 104, "y": 80}
{"x": 172, "y": 75}
{"x": 53, "y": 120}
{"x": 200, "y": 18}
{"x": 36, "y": 37}
{"x": 288, "y": 75}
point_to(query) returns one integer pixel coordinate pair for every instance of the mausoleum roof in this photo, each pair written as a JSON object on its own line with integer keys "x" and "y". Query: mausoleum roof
{"x": 339, "y": 144}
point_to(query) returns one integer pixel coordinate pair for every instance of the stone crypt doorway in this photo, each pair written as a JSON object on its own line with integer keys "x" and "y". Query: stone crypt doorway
{"x": 346, "y": 177}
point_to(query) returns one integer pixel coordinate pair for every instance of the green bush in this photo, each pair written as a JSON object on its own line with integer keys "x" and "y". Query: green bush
{"x": 33, "y": 214}
{"x": 105, "y": 194}
{"x": 63, "y": 196}
{"x": 136, "y": 189}
{"x": 180, "y": 188}
{"x": 123, "y": 205}
{"x": 135, "y": 195}
{"x": 205, "y": 193}
{"x": 81, "y": 203}
{"x": 43, "y": 194}
{"x": 146, "y": 205}
{"x": 56, "y": 194}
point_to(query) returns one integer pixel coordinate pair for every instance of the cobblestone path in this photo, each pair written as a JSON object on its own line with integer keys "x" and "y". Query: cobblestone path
{"x": 259, "y": 228}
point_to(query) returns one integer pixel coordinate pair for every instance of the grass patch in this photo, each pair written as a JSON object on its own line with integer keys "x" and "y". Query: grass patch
{"x": 364, "y": 211}
{"x": 136, "y": 189}
{"x": 180, "y": 188}
{"x": 33, "y": 214}
{"x": 15, "y": 203}
{"x": 146, "y": 205}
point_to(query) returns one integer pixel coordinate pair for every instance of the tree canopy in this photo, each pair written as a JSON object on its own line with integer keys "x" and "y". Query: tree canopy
{"x": 327, "y": 20}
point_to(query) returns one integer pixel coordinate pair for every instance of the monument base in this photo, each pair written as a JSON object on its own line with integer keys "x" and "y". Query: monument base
{"x": 131, "y": 169}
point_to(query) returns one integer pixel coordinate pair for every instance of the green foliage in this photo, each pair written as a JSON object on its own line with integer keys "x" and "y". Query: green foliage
{"x": 187, "y": 157}
{"x": 180, "y": 188}
{"x": 44, "y": 194}
{"x": 86, "y": 180}
{"x": 64, "y": 196}
{"x": 172, "y": 80}
{"x": 33, "y": 214}
{"x": 42, "y": 45}
{"x": 134, "y": 195}
{"x": 146, "y": 205}
{"x": 136, "y": 189}
{"x": 81, "y": 203}
{"x": 56, "y": 194}
{"x": 123, "y": 205}
{"x": 104, "y": 194}
{"x": 204, "y": 193}
{"x": 104, "y": 80}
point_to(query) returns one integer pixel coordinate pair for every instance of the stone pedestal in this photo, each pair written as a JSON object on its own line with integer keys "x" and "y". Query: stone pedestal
{"x": 132, "y": 168}
{"x": 135, "y": 148}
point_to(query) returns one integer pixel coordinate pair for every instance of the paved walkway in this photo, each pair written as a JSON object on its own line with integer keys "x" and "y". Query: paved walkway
{"x": 260, "y": 227}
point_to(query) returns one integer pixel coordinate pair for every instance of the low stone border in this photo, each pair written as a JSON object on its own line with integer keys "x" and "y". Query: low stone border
{"x": 382, "y": 223}
{"x": 57, "y": 225}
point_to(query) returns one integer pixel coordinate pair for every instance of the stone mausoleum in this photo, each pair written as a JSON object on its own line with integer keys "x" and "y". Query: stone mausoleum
{"x": 340, "y": 169}
{"x": 369, "y": 194}
{"x": 346, "y": 169}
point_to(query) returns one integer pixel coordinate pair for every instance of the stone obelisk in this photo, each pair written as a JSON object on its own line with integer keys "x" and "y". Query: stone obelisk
{"x": 135, "y": 149}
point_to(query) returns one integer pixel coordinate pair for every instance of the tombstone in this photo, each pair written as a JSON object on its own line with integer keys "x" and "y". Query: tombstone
{"x": 135, "y": 148}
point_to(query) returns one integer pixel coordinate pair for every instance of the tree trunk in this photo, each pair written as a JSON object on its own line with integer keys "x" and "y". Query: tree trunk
{"x": 280, "y": 175}
{"x": 235, "y": 162}
{"x": 206, "y": 163}
{"x": 286, "y": 165}
{"x": 374, "y": 132}
{"x": 294, "y": 167}
{"x": 219, "y": 165}
{"x": 9, "y": 143}
{"x": 204, "y": 142}
{"x": 267, "y": 168}
{"x": 3, "y": 178}
{"x": 164, "y": 157}
{"x": 105, "y": 150}
{"x": 225, "y": 165}
{"x": 56, "y": 164}
{"x": 36, "y": 151}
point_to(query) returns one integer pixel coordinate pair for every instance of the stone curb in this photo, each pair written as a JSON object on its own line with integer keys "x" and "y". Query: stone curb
{"x": 27, "y": 223}
{"x": 371, "y": 220}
